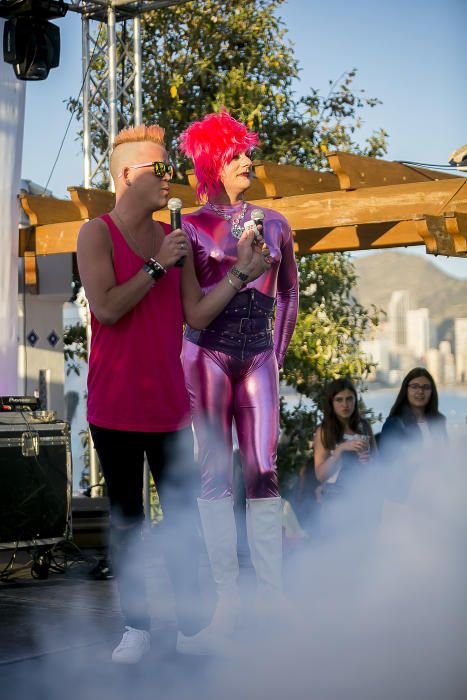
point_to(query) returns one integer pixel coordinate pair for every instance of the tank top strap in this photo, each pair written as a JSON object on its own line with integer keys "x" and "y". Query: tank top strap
{"x": 118, "y": 240}
{"x": 115, "y": 233}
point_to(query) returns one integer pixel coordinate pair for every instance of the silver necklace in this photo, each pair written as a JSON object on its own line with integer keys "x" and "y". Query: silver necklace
{"x": 133, "y": 240}
{"x": 237, "y": 219}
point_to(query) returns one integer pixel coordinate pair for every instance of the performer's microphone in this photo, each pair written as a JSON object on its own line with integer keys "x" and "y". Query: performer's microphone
{"x": 257, "y": 215}
{"x": 175, "y": 207}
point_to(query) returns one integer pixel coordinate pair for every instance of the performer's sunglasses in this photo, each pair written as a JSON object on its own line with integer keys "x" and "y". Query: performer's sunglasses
{"x": 160, "y": 168}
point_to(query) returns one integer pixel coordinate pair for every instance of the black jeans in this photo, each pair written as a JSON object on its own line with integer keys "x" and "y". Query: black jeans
{"x": 170, "y": 458}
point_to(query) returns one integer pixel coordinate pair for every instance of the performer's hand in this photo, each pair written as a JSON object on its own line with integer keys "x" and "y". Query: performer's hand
{"x": 174, "y": 246}
{"x": 253, "y": 255}
{"x": 260, "y": 245}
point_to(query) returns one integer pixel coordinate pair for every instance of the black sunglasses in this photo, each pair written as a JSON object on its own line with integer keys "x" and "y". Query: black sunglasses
{"x": 160, "y": 168}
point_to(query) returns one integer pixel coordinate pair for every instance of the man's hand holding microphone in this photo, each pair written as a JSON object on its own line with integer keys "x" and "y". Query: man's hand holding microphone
{"x": 175, "y": 246}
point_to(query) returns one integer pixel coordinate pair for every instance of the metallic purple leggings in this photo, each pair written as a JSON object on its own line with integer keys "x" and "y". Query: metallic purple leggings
{"x": 222, "y": 389}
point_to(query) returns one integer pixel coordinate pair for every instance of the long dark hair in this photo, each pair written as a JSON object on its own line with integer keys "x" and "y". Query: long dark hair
{"x": 332, "y": 428}
{"x": 401, "y": 405}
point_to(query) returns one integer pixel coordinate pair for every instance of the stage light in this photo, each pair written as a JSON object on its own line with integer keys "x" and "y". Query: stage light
{"x": 32, "y": 46}
{"x": 47, "y": 9}
{"x": 30, "y": 42}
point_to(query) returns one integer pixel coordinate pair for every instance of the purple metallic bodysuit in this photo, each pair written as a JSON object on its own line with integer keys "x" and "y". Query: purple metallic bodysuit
{"x": 231, "y": 367}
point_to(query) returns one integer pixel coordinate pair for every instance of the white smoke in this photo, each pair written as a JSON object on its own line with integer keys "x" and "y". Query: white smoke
{"x": 377, "y": 612}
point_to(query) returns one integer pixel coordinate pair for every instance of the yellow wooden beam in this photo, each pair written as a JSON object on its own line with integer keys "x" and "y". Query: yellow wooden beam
{"x": 48, "y": 210}
{"x": 457, "y": 207}
{"x": 372, "y": 205}
{"x": 357, "y": 237}
{"x": 375, "y": 217}
{"x": 27, "y": 240}
{"x": 31, "y": 277}
{"x": 455, "y": 224}
{"x": 276, "y": 180}
{"x": 355, "y": 171}
{"x": 57, "y": 238}
{"x": 94, "y": 202}
{"x": 185, "y": 193}
{"x": 287, "y": 180}
{"x": 369, "y": 205}
{"x": 444, "y": 235}
{"x": 91, "y": 202}
{"x": 164, "y": 214}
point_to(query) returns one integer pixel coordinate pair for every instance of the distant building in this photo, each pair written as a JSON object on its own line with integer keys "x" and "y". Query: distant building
{"x": 418, "y": 331}
{"x": 445, "y": 347}
{"x": 448, "y": 362}
{"x": 382, "y": 332}
{"x": 403, "y": 359}
{"x": 460, "y": 340}
{"x": 378, "y": 352}
{"x": 434, "y": 364}
{"x": 398, "y": 307}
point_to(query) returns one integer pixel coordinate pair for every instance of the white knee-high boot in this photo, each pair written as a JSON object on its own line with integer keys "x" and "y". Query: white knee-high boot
{"x": 264, "y": 530}
{"x": 220, "y": 536}
{"x": 273, "y": 611}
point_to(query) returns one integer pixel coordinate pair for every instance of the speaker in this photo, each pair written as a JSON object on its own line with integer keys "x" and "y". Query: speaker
{"x": 91, "y": 521}
{"x": 36, "y": 482}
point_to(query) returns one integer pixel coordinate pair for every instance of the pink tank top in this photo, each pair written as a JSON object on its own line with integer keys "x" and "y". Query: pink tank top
{"x": 135, "y": 379}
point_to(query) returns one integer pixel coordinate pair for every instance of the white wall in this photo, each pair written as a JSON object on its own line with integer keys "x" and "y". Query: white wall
{"x": 41, "y": 315}
{"x": 12, "y": 99}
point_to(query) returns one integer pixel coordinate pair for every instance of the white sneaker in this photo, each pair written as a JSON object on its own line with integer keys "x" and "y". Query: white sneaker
{"x": 134, "y": 645}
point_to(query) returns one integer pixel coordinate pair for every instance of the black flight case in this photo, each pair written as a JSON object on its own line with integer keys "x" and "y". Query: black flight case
{"x": 35, "y": 479}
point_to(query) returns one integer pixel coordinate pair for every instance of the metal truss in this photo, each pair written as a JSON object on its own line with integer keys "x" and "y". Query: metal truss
{"x": 111, "y": 61}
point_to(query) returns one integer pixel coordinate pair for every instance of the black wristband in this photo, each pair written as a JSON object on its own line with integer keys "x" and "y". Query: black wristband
{"x": 241, "y": 275}
{"x": 154, "y": 269}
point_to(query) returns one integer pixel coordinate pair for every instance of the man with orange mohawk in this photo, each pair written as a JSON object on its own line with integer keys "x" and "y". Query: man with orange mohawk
{"x": 231, "y": 368}
{"x": 137, "y": 400}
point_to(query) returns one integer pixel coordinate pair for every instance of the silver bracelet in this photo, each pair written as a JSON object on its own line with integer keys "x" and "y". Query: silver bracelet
{"x": 237, "y": 289}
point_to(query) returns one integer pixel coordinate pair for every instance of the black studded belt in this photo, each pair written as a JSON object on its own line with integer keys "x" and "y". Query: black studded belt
{"x": 242, "y": 330}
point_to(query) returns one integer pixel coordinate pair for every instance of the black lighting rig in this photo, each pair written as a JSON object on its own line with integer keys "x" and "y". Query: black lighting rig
{"x": 31, "y": 43}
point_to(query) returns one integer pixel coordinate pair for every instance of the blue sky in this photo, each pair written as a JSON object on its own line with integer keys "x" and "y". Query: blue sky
{"x": 412, "y": 55}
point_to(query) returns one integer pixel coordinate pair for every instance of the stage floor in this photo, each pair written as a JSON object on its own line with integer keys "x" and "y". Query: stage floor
{"x": 57, "y": 635}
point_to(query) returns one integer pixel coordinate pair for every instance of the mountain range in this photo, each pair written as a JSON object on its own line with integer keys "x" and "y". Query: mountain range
{"x": 428, "y": 286}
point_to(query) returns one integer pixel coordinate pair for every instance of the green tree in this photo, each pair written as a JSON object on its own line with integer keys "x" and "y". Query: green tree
{"x": 325, "y": 346}
{"x": 200, "y": 56}
{"x": 75, "y": 347}
{"x": 319, "y": 124}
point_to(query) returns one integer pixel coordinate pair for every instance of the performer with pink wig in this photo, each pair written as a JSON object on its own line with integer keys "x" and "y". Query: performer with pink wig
{"x": 231, "y": 367}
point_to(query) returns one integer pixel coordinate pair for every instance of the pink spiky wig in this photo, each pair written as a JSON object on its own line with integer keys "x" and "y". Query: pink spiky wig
{"x": 212, "y": 143}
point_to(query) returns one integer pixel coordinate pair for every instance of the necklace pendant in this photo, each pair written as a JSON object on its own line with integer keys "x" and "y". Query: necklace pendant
{"x": 236, "y": 229}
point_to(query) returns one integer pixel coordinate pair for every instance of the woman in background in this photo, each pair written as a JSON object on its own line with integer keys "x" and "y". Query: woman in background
{"x": 413, "y": 432}
{"x": 414, "y": 417}
{"x": 343, "y": 432}
{"x": 343, "y": 446}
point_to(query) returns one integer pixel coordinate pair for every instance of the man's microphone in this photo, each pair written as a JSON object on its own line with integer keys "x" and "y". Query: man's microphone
{"x": 175, "y": 207}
